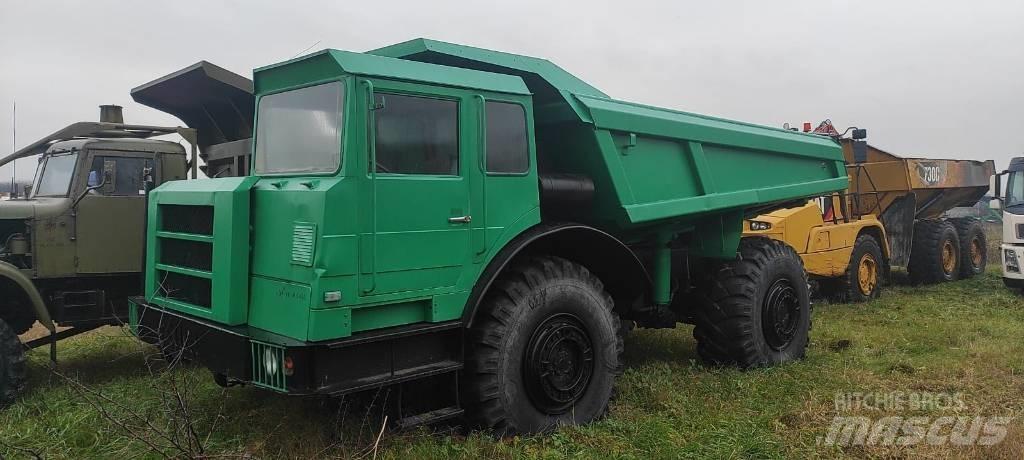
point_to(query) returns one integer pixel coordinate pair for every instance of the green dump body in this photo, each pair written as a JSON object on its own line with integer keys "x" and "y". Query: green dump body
{"x": 326, "y": 255}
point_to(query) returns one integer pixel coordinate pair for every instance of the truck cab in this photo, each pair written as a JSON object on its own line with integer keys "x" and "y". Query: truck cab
{"x": 73, "y": 235}
{"x": 1011, "y": 251}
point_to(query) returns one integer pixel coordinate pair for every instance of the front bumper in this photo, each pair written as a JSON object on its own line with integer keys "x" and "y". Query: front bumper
{"x": 249, "y": 355}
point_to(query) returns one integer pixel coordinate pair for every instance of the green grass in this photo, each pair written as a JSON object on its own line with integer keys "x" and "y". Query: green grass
{"x": 957, "y": 337}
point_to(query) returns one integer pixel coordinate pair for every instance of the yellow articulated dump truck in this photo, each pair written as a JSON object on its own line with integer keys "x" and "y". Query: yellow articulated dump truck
{"x": 891, "y": 215}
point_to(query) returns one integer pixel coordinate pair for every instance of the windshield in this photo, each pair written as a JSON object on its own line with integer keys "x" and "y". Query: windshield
{"x": 1015, "y": 188}
{"x": 299, "y": 131}
{"x": 53, "y": 177}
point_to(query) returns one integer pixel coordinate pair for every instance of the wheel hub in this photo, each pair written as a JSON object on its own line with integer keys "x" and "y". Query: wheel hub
{"x": 948, "y": 257}
{"x": 867, "y": 274}
{"x": 558, "y": 364}
{"x": 977, "y": 252}
{"x": 780, "y": 316}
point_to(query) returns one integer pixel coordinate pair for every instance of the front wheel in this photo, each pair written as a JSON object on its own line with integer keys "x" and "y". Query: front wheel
{"x": 863, "y": 279}
{"x": 544, "y": 350}
{"x": 12, "y": 365}
{"x": 756, "y": 310}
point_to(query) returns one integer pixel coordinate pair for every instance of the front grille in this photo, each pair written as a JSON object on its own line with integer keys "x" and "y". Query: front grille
{"x": 189, "y": 254}
{"x": 184, "y": 288}
{"x": 181, "y": 218}
{"x": 268, "y": 366}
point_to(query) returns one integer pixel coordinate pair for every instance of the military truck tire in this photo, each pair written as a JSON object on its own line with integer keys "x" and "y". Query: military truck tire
{"x": 544, "y": 351}
{"x": 973, "y": 246}
{"x": 864, "y": 275}
{"x": 935, "y": 252}
{"x": 12, "y": 365}
{"x": 756, "y": 310}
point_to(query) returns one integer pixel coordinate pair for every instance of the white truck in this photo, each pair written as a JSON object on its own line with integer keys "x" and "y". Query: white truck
{"x": 1011, "y": 252}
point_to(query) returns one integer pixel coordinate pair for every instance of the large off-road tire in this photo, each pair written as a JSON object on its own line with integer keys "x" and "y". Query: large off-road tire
{"x": 756, "y": 310}
{"x": 935, "y": 253}
{"x": 973, "y": 246}
{"x": 12, "y": 365}
{"x": 866, "y": 270}
{"x": 17, "y": 316}
{"x": 544, "y": 350}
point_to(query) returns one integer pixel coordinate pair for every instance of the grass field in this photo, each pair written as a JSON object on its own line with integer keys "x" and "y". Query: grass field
{"x": 960, "y": 338}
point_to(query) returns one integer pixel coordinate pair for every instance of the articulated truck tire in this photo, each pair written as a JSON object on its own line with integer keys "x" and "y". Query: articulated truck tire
{"x": 935, "y": 252}
{"x": 12, "y": 365}
{"x": 864, "y": 275}
{"x": 973, "y": 246}
{"x": 756, "y": 310}
{"x": 544, "y": 351}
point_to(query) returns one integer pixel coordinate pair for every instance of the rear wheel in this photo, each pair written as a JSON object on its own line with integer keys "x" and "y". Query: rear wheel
{"x": 973, "y": 246}
{"x": 863, "y": 279}
{"x": 935, "y": 253}
{"x": 544, "y": 350}
{"x": 756, "y": 310}
{"x": 12, "y": 365}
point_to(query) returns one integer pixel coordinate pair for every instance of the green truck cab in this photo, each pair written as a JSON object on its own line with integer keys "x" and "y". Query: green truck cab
{"x": 486, "y": 225}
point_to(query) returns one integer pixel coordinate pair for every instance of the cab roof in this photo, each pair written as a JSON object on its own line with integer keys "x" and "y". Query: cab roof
{"x": 127, "y": 144}
{"x": 331, "y": 63}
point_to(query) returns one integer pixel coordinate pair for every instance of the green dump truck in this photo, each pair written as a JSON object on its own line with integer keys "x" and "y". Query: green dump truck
{"x": 482, "y": 224}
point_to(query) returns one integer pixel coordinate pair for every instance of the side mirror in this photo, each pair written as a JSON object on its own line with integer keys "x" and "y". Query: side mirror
{"x": 109, "y": 171}
{"x": 859, "y": 133}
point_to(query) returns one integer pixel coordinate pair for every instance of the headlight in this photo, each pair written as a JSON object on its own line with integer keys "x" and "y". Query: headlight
{"x": 1011, "y": 260}
{"x": 756, "y": 225}
{"x": 270, "y": 363}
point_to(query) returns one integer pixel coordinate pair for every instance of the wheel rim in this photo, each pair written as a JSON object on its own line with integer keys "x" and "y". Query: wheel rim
{"x": 781, "y": 314}
{"x": 977, "y": 252}
{"x": 867, "y": 274}
{"x": 948, "y": 256}
{"x": 559, "y": 363}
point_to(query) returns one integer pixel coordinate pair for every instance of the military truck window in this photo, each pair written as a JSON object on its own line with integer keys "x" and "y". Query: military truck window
{"x": 125, "y": 174}
{"x": 507, "y": 150}
{"x": 299, "y": 131}
{"x": 416, "y": 135}
{"x": 55, "y": 176}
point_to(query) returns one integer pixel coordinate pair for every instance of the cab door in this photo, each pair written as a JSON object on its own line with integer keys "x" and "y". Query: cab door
{"x": 109, "y": 218}
{"x": 417, "y": 217}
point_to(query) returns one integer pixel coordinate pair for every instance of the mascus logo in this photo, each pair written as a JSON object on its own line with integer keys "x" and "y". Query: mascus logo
{"x": 930, "y": 172}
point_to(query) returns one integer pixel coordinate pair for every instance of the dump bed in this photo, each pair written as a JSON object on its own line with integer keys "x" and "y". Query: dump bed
{"x": 650, "y": 164}
{"x": 934, "y": 186}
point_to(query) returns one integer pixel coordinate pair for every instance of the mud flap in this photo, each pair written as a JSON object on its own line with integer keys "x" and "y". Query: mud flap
{"x": 898, "y": 220}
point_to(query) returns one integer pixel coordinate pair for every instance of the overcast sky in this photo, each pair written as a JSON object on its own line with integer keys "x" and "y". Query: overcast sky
{"x": 927, "y": 78}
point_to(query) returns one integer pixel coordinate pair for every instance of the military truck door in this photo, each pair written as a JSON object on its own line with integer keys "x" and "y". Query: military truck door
{"x": 417, "y": 237}
{"x": 108, "y": 223}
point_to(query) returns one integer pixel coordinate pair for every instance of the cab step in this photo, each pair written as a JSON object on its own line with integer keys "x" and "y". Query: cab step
{"x": 428, "y": 418}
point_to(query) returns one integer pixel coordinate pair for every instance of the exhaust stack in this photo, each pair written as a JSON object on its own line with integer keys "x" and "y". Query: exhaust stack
{"x": 111, "y": 114}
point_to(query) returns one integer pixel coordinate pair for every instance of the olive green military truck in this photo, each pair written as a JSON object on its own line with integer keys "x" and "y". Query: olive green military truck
{"x": 475, "y": 230}
{"x": 71, "y": 250}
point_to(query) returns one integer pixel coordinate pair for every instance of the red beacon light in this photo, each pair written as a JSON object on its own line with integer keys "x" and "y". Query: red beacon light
{"x": 807, "y": 126}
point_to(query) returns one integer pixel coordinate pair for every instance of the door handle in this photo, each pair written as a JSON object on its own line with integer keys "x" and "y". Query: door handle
{"x": 460, "y": 220}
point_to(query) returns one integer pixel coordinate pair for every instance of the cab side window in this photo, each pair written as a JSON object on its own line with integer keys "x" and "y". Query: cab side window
{"x": 507, "y": 150}
{"x": 416, "y": 135}
{"x": 118, "y": 176}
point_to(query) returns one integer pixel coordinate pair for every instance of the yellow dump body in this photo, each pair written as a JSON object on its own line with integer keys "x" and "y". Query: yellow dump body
{"x": 937, "y": 185}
